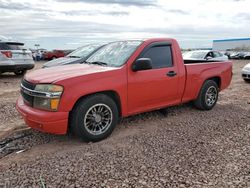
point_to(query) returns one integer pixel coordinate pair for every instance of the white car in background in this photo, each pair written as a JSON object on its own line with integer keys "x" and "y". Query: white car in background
{"x": 246, "y": 73}
{"x": 15, "y": 58}
{"x": 205, "y": 55}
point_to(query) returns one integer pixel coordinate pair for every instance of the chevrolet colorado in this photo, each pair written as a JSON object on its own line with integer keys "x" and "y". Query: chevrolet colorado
{"x": 121, "y": 79}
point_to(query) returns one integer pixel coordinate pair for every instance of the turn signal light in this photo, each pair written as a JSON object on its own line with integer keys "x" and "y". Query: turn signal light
{"x": 54, "y": 104}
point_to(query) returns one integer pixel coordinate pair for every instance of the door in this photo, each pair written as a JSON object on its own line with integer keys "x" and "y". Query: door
{"x": 157, "y": 87}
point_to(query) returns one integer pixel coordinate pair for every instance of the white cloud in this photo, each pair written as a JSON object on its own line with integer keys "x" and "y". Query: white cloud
{"x": 61, "y": 23}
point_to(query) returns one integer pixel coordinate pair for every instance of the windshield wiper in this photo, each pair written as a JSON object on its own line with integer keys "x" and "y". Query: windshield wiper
{"x": 97, "y": 63}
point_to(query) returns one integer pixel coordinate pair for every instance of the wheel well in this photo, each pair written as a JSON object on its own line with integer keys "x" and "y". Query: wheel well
{"x": 112, "y": 94}
{"x": 217, "y": 80}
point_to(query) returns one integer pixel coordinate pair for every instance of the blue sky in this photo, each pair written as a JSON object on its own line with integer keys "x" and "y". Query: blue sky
{"x": 62, "y": 24}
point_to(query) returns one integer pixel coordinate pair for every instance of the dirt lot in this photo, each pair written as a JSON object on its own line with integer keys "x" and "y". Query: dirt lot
{"x": 9, "y": 92}
{"x": 186, "y": 148}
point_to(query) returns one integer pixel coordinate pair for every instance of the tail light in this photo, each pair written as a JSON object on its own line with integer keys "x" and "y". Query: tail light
{"x": 8, "y": 54}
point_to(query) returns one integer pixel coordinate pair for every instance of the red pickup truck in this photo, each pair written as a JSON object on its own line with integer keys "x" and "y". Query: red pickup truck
{"x": 119, "y": 80}
{"x": 53, "y": 54}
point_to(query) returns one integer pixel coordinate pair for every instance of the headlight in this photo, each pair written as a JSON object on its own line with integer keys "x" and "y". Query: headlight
{"x": 49, "y": 97}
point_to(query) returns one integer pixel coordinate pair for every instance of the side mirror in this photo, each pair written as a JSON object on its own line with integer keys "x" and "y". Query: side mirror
{"x": 142, "y": 64}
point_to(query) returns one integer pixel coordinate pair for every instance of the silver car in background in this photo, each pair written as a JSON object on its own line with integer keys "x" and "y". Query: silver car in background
{"x": 205, "y": 55}
{"x": 75, "y": 57}
{"x": 15, "y": 58}
{"x": 246, "y": 73}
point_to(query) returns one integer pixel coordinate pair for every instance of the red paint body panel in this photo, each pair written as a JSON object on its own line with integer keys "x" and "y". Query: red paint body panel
{"x": 138, "y": 91}
{"x": 51, "y": 122}
{"x": 152, "y": 89}
{"x": 197, "y": 74}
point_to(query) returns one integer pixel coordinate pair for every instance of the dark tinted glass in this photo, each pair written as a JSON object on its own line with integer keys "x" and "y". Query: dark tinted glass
{"x": 160, "y": 55}
{"x": 4, "y": 46}
{"x": 15, "y": 47}
{"x": 11, "y": 46}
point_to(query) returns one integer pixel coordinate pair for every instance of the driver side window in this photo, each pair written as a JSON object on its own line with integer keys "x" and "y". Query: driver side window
{"x": 161, "y": 56}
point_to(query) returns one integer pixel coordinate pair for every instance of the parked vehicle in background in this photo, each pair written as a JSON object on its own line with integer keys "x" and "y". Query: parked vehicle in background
{"x": 246, "y": 73}
{"x": 234, "y": 55}
{"x": 205, "y": 55}
{"x": 53, "y": 54}
{"x": 77, "y": 56}
{"x": 247, "y": 55}
{"x": 15, "y": 58}
{"x": 228, "y": 53}
{"x": 120, "y": 79}
{"x": 238, "y": 55}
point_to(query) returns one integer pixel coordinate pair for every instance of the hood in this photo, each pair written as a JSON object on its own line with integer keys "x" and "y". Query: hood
{"x": 53, "y": 74}
{"x": 61, "y": 61}
{"x": 247, "y": 66}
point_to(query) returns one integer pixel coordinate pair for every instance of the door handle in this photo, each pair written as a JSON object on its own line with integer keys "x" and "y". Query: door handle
{"x": 171, "y": 74}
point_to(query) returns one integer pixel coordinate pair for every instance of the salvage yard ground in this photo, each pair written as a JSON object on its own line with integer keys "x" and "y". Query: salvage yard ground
{"x": 186, "y": 148}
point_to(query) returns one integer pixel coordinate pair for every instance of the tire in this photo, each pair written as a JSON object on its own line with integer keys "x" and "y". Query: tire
{"x": 20, "y": 72}
{"x": 208, "y": 95}
{"x": 247, "y": 80}
{"x": 94, "y": 117}
{"x": 54, "y": 57}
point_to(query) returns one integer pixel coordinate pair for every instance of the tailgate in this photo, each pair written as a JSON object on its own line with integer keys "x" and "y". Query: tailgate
{"x": 21, "y": 54}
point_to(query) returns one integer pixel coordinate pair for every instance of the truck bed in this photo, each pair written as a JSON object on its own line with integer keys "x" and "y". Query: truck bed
{"x": 198, "y": 71}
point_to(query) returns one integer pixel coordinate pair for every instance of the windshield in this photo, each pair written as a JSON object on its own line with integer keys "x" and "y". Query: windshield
{"x": 114, "y": 54}
{"x": 195, "y": 55}
{"x": 83, "y": 51}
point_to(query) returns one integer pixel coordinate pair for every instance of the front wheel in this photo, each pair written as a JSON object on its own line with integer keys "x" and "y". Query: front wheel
{"x": 94, "y": 117}
{"x": 208, "y": 96}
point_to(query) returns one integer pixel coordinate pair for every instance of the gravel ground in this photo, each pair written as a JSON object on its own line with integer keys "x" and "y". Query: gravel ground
{"x": 186, "y": 148}
{"x": 9, "y": 92}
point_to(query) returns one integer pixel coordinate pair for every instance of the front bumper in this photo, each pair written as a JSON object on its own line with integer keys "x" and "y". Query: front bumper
{"x": 49, "y": 122}
{"x": 245, "y": 74}
{"x": 16, "y": 67}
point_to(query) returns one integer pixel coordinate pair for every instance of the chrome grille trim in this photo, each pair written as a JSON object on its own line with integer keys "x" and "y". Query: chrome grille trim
{"x": 41, "y": 94}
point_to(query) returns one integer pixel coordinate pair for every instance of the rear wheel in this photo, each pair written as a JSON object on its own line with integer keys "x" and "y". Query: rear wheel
{"x": 20, "y": 72}
{"x": 94, "y": 117}
{"x": 208, "y": 96}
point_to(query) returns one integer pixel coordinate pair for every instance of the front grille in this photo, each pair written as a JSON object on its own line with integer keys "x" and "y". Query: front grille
{"x": 28, "y": 85}
{"x": 27, "y": 98}
{"x": 246, "y": 76}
